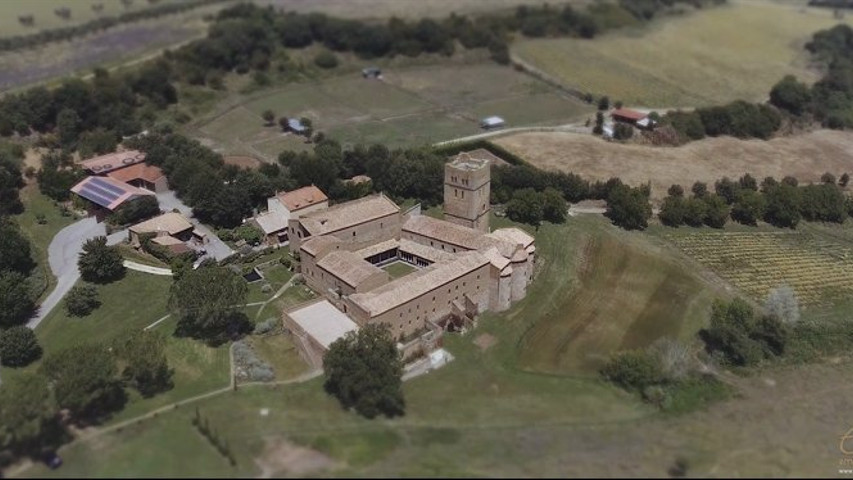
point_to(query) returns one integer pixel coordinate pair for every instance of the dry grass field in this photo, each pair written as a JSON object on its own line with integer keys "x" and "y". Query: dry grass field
{"x": 720, "y": 54}
{"x": 411, "y": 105}
{"x": 45, "y": 18}
{"x": 805, "y": 156}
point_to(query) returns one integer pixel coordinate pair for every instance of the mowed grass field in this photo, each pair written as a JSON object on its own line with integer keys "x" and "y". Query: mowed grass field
{"x": 129, "y": 305}
{"x": 46, "y": 19}
{"x": 486, "y": 415}
{"x": 657, "y": 297}
{"x": 804, "y": 156}
{"x": 411, "y": 105}
{"x": 715, "y": 55}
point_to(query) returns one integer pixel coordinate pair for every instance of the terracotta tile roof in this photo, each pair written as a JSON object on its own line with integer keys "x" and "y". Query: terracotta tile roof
{"x": 628, "y": 113}
{"x": 421, "y": 282}
{"x": 443, "y": 231}
{"x": 171, "y": 223}
{"x": 107, "y": 192}
{"x": 425, "y": 252}
{"x": 113, "y": 161}
{"x": 349, "y": 267}
{"x": 514, "y": 235}
{"x": 377, "y": 248}
{"x": 315, "y": 245}
{"x": 348, "y": 214}
{"x": 302, "y": 198}
{"x": 271, "y": 222}
{"x": 137, "y": 171}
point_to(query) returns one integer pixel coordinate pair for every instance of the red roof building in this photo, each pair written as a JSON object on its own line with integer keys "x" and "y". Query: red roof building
{"x": 627, "y": 115}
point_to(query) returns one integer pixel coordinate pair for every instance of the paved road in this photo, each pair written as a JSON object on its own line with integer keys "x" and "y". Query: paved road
{"x": 62, "y": 255}
{"x": 215, "y": 247}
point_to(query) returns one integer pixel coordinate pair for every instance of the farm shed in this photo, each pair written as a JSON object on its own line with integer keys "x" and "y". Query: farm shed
{"x": 492, "y": 122}
{"x": 315, "y": 327}
{"x": 104, "y": 194}
{"x": 626, "y": 115}
{"x": 295, "y": 126}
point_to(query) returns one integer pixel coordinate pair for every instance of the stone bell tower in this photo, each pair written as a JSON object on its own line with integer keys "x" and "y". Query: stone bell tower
{"x": 467, "y": 185}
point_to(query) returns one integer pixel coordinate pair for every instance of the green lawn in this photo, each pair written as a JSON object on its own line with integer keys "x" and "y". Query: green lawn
{"x": 280, "y": 353}
{"x": 398, "y": 269}
{"x": 131, "y": 304}
{"x": 448, "y": 412}
{"x": 40, "y": 235}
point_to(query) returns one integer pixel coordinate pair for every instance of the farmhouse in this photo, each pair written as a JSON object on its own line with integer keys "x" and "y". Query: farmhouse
{"x": 168, "y": 229}
{"x": 128, "y": 167}
{"x": 460, "y": 271}
{"x": 104, "y": 195}
{"x": 283, "y": 206}
{"x": 632, "y": 117}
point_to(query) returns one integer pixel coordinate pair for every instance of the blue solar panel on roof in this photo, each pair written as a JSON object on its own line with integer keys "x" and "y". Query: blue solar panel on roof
{"x": 106, "y": 185}
{"x": 101, "y": 191}
{"x": 94, "y": 197}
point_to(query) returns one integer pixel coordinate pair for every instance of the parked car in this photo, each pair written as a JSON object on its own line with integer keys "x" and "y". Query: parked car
{"x": 52, "y": 460}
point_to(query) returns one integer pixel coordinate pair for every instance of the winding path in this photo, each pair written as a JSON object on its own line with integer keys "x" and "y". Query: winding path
{"x": 62, "y": 255}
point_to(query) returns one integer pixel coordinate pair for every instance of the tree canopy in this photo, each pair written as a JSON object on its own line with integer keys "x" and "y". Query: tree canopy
{"x": 28, "y": 415}
{"x": 99, "y": 262}
{"x": 16, "y": 299}
{"x": 18, "y": 347}
{"x": 206, "y": 302}
{"x": 364, "y": 371}
{"x": 85, "y": 381}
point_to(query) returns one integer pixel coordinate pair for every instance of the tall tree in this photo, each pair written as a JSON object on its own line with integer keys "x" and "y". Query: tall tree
{"x": 16, "y": 299}
{"x": 85, "y": 381}
{"x": 628, "y": 208}
{"x": 554, "y": 206}
{"x": 99, "y": 262}
{"x": 206, "y": 303}
{"x": 527, "y": 206}
{"x": 28, "y": 415}
{"x": 14, "y": 248}
{"x": 364, "y": 371}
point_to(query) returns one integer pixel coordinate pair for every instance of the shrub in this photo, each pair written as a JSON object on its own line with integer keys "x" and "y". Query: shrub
{"x": 633, "y": 370}
{"x": 250, "y": 366}
{"x": 782, "y": 303}
{"x": 267, "y": 326}
{"x": 18, "y": 347}
{"x": 82, "y": 300}
{"x": 326, "y": 60}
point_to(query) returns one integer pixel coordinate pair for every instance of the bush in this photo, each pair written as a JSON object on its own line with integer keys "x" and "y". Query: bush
{"x": 249, "y": 365}
{"x": 267, "y": 326}
{"x": 18, "y": 347}
{"x": 326, "y": 60}
{"x": 82, "y": 300}
{"x": 633, "y": 370}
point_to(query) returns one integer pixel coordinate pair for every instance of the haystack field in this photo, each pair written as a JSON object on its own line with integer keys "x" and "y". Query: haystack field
{"x": 806, "y": 157}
